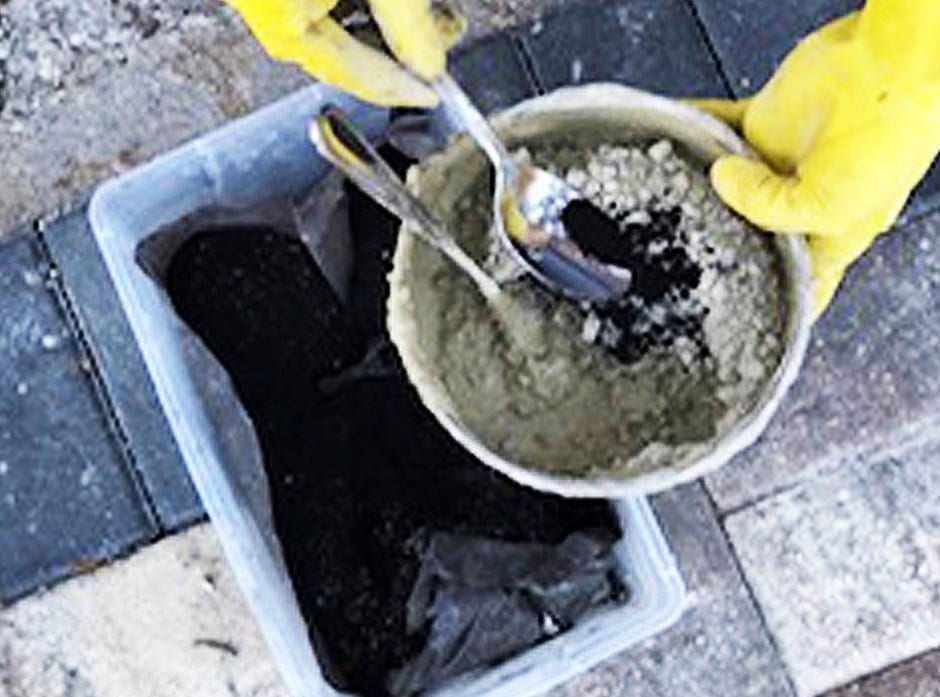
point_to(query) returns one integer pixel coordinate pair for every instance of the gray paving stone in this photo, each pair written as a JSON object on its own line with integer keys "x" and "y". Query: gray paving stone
{"x": 719, "y": 648}
{"x": 926, "y": 197}
{"x": 66, "y": 499}
{"x": 918, "y": 677}
{"x": 46, "y": 45}
{"x": 872, "y": 376}
{"x": 116, "y": 114}
{"x": 652, "y": 44}
{"x": 752, "y": 38}
{"x": 492, "y": 72}
{"x": 488, "y": 16}
{"x": 846, "y": 567}
{"x": 122, "y": 370}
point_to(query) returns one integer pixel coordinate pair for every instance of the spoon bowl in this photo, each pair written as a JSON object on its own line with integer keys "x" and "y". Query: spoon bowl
{"x": 528, "y": 214}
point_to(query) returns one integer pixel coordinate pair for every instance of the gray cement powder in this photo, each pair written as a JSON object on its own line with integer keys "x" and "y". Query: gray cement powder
{"x": 540, "y": 385}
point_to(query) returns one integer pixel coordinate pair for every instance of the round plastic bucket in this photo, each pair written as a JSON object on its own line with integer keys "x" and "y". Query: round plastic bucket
{"x": 622, "y": 115}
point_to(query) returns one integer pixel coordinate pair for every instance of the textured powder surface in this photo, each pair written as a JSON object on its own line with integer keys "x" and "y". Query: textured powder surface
{"x": 612, "y": 391}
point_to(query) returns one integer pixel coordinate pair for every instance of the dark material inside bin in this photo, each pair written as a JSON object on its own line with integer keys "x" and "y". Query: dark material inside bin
{"x": 412, "y": 561}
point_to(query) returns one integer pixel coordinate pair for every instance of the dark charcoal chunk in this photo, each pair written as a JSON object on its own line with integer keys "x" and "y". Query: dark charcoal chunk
{"x": 595, "y": 232}
{"x": 261, "y": 305}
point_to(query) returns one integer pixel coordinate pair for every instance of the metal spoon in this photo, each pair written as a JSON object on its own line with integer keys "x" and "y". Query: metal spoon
{"x": 340, "y": 142}
{"x": 528, "y": 204}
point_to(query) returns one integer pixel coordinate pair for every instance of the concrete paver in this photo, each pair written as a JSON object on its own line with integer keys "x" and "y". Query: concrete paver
{"x": 488, "y": 16}
{"x": 120, "y": 367}
{"x": 719, "y": 648}
{"x": 918, "y": 677}
{"x": 492, "y": 72}
{"x": 652, "y": 44}
{"x": 46, "y": 45}
{"x": 751, "y": 39}
{"x": 872, "y": 376}
{"x": 847, "y": 566}
{"x": 66, "y": 497}
{"x": 167, "y": 622}
{"x": 163, "y": 91}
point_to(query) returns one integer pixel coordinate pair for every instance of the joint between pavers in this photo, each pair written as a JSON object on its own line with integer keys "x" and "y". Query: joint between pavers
{"x": 884, "y": 670}
{"x": 791, "y": 684}
{"x": 914, "y": 219}
{"x": 757, "y": 500}
{"x": 84, "y": 568}
{"x": 528, "y": 62}
{"x": 712, "y": 50}
{"x": 66, "y": 305}
{"x": 916, "y": 434}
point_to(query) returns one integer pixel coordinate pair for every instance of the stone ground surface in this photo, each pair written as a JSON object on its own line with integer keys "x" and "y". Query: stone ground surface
{"x": 720, "y": 646}
{"x": 108, "y": 635}
{"x": 812, "y": 560}
{"x": 837, "y": 615}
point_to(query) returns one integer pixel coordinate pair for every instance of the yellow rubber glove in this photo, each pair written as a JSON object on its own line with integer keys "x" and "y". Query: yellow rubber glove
{"x": 302, "y": 32}
{"x": 846, "y": 128}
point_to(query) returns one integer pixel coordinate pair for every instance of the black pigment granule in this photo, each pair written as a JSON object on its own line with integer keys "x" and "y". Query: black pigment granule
{"x": 663, "y": 278}
{"x": 595, "y": 232}
{"x": 360, "y": 473}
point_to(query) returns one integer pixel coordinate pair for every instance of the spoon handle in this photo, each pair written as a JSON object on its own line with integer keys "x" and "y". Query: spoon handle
{"x": 459, "y": 104}
{"x": 340, "y": 142}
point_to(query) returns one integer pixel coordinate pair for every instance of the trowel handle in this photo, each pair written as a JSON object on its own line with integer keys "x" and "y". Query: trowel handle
{"x": 340, "y": 142}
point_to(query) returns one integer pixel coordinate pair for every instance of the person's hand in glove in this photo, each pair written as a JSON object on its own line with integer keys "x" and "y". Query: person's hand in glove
{"x": 846, "y": 128}
{"x": 303, "y": 32}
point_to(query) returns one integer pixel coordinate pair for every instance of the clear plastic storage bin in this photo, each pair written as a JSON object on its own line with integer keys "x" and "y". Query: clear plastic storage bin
{"x": 264, "y": 158}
